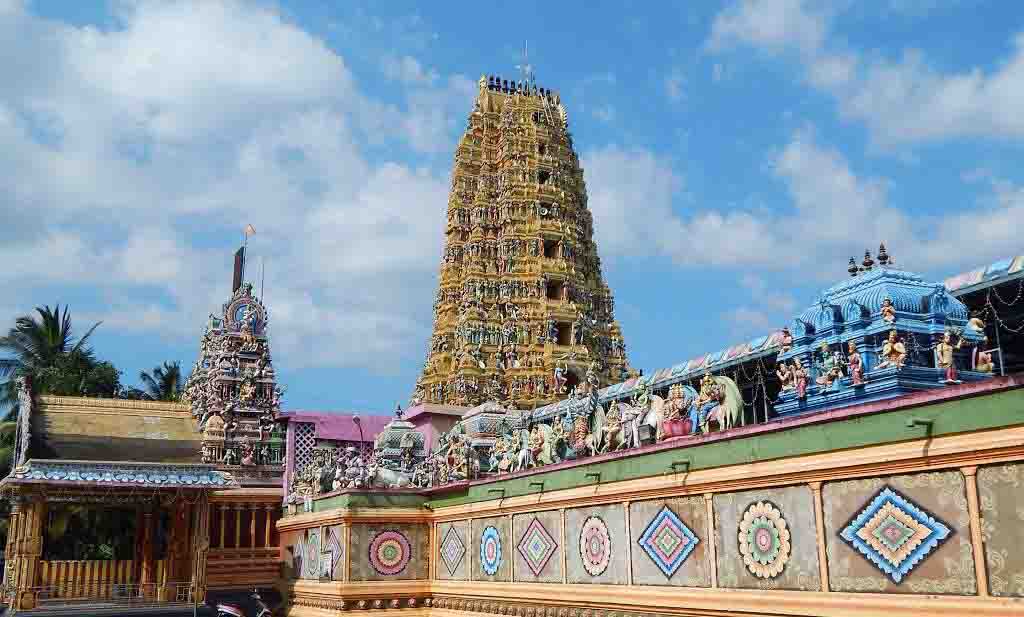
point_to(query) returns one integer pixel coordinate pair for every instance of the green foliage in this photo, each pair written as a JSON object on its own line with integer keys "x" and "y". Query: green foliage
{"x": 162, "y": 384}
{"x": 43, "y": 347}
{"x": 78, "y": 375}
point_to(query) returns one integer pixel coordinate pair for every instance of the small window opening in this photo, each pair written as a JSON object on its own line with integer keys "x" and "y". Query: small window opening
{"x": 551, "y": 249}
{"x": 564, "y": 333}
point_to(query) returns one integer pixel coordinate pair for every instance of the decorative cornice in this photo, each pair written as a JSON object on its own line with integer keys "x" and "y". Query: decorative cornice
{"x": 126, "y": 474}
{"x": 535, "y": 600}
{"x": 81, "y": 404}
{"x": 346, "y": 515}
{"x": 248, "y": 495}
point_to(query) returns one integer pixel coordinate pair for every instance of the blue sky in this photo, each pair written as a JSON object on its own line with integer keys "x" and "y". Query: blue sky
{"x": 736, "y": 155}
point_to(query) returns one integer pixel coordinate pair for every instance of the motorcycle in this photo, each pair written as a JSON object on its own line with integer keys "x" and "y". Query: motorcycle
{"x": 233, "y": 610}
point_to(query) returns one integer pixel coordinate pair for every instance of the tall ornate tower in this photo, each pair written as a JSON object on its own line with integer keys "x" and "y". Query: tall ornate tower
{"x": 232, "y": 389}
{"x": 522, "y": 313}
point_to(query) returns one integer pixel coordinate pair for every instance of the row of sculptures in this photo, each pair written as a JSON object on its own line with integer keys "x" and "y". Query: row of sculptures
{"x": 832, "y": 365}
{"x": 500, "y": 292}
{"x": 351, "y": 467}
{"x": 587, "y": 428}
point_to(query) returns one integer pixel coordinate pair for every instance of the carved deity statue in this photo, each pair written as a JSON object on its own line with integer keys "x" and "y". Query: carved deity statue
{"x": 785, "y": 376}
{"x": 560, "y": 378}
{"x": 888, "y": 311}
{"x": 708, "y": 390}
{"x": 894, "y": 352}
{"x": 944, "y": 359}
{"x": 855, "y": 364}
{"x": 830, "y": 370}
{"x": 787, "y": 340}
{"x": 799, "y": 378}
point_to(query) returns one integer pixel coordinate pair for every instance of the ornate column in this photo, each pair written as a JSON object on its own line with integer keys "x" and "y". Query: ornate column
{"x": 148, "y": 570}
{"x": 223, "y": 517}
{"x": 27, "y": 551}
{"x": 201, "y": 546}
{"x": 269, "y": 526}
{"x": 252, "y": 527}
{"x": 977, "y": 544}
{"x": 238, "y": 526}
{"x": 10, "y": 572}
{"x": 819, "y": 518}
{"x": 712, "y": 558}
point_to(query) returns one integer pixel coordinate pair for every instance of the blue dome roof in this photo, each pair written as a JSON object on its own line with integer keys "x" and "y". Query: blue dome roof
{"x": 861, "y": 297}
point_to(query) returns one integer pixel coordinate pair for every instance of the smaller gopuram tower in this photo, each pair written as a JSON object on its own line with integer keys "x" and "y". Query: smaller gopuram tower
{"x": 523, "y": 311}
{"x": 233, "y": 391}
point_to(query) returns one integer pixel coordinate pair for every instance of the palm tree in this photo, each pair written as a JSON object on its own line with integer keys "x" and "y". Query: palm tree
{"x": 37, "y": 345}
{"x": 163, "y": 383}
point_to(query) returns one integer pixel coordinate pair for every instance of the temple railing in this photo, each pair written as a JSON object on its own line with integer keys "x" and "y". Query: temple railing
{"x": 127, "y": 594}
{"x": 65, "y": 576}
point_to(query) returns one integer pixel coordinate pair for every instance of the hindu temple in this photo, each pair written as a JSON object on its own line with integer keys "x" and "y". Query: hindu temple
{"x": 864, "y": 458}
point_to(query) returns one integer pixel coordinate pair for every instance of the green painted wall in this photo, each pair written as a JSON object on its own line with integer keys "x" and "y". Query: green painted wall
{"x": 380, "y": 499}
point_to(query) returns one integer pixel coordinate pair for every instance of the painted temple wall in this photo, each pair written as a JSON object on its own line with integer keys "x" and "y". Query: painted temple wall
{"x": 78, "y": 428}
{"x": 612, "y": 549}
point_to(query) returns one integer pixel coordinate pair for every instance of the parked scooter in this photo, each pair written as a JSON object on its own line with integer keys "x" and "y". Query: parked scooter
{"x": 233, "y": 610}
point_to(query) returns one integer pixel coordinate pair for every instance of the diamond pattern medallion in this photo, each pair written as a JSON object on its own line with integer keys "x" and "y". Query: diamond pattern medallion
{"x": 453, "y": 549}
{"x": 895, "y": 534}
{"x": 667, "y": 541}
{"x": 537, "y": 546}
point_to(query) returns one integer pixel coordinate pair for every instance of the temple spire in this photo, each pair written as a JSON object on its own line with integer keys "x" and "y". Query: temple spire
{"x": 522, "y": 309}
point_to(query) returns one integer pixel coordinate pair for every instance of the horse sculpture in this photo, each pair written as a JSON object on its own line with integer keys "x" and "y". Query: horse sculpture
{"x": 720, "y": 403}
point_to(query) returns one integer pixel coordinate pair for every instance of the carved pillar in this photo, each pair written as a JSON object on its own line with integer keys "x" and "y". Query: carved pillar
{"x": 819, "y": 518}
{"x": 712, "y": 559}
{"x": 223, "y": 518}
{"x": 201, "y": 545}
{"x": 10, "y": 576}
{"x": 27, "y": 551}
{"x": 977, "y": 545}
{"x": 148, "y": 570}
{"x": 252, "y": 527}
{"x": 177, "y": 543}
{"x": 238, "y": 526}
{"x": 269, "y": 526}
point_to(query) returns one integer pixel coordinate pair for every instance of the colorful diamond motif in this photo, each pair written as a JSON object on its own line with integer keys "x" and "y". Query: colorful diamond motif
{"x": 667, "y": 541}
{"x": 453, "y": 549}
{"x": 895, "y": 534}
{"x": 537, "y": 546}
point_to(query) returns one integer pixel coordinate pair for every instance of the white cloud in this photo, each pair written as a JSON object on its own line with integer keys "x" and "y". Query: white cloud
{"x": 408, "y": 70}
{"x": 632, "y": 195}
{"x": 773, "y": 25}
{"x": 640, "y": 209}
{"x": 902, "y": 101}
{"x": 146, "y": 147}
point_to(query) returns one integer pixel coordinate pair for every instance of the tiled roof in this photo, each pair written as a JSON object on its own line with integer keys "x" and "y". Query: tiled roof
{"x": 993, "y": 274}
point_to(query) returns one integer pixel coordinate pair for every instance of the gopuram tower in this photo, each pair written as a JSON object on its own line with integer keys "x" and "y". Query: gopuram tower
{"x": 523, "y": 315}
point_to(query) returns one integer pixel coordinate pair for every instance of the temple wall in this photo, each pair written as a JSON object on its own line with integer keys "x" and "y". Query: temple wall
{"x": 78, "y": 428}
{"x": 921, "y": 526}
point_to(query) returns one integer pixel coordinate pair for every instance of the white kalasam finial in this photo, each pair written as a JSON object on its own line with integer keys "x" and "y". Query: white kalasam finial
{"x": 526, "y": 68}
